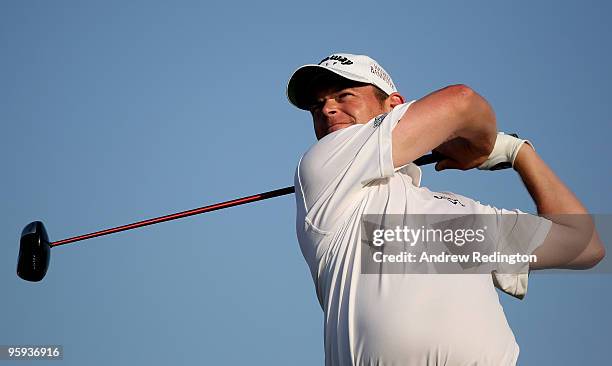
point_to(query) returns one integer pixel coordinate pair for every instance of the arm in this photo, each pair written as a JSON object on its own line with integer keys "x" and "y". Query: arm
{"x": 572, "y": 241}
{"x": 456, "y": 117}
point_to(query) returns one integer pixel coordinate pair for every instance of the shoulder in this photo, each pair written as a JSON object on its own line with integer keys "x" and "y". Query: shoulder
{"x": 329, "y": 147}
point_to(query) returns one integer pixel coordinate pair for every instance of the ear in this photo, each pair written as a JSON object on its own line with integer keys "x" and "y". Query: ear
{"x": 395, "y": 99}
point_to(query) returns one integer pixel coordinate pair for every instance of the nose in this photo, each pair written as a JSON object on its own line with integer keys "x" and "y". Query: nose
{"x": 330, "y": 107}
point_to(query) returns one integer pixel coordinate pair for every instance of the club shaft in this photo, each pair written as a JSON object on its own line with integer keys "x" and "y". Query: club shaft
{"x": 423, "y": 160}
{"x": 196, "y": 211}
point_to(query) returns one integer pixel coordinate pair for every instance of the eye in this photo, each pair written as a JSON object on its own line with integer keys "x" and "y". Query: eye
{"x": 315, "y": 106}
{"x": 344, "y": 95}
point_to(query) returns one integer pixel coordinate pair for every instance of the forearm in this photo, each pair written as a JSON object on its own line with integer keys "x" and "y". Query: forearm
{"x": 549, "y": 193}
{"x": 576, "y": 238}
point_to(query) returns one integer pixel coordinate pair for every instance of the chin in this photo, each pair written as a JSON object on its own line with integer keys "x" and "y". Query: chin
{"x": 338, "y": 126}
{"x": 333, "y": 128}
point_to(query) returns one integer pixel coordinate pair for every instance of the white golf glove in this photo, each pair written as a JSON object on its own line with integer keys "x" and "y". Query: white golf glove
{"x": 504, "y": 152}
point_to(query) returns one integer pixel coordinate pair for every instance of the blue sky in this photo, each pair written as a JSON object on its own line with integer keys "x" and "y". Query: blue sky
{"x": 113, "y": 112}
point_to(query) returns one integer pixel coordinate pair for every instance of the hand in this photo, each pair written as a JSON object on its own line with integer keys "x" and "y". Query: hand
{"x": 504, "y": 153}
{"x": 460, "y": 153}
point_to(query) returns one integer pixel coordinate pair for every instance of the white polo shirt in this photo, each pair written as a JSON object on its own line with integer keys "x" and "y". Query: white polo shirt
{"x": 390, "y": 319}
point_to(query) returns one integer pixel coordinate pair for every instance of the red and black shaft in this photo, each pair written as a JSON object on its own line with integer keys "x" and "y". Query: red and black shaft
{"x": 174, "y": 216}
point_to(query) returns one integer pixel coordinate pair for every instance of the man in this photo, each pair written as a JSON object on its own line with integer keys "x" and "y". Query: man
{"x": 363, "y": 164}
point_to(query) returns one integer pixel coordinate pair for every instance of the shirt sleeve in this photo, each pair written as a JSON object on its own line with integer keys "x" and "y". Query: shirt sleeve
{"x": 332, "y": 173}
{"x": 514, "y": 232}
{"x": 522, "y": 233}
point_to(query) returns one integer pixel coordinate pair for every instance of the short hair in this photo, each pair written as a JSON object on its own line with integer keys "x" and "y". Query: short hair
{"x": 380, "y": 94}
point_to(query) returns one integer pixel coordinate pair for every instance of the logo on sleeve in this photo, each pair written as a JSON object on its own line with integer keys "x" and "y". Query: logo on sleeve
{"x": 454, "y": 201}
{"x": 378, "y": 120}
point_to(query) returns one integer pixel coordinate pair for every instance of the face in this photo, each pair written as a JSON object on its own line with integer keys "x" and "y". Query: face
{"x": 335, "y": 108}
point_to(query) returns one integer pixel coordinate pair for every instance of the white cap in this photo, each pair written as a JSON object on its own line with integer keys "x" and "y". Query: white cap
{"x": 359, "y": 68}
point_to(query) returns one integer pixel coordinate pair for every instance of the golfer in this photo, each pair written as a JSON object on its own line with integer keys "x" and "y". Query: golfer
{"x": 368, "y": 137}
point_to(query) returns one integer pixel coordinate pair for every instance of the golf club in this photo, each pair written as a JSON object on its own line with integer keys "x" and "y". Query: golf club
{"x": 34, "y": 247}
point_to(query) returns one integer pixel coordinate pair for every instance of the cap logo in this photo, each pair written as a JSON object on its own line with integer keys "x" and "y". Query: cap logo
{"x": 378, "y": 71}
{"x": 343, "y": 60}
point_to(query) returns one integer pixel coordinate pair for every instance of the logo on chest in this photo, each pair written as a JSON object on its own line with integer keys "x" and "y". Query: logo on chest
{"x": 452, "y": 200}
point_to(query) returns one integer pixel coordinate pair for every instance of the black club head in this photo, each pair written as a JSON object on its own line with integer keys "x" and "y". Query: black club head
{"x": 34, "y": 252}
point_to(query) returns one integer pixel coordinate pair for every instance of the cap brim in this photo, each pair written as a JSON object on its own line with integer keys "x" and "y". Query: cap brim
{"x": 303, "y": 79}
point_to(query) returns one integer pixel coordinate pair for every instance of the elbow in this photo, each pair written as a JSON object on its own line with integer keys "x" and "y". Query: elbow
{"x": 477, "y": 116}
{"x": 596, "y": 256}
{"x": 463, "y": 96}
{"x": 470, "y": 105}
{"x": 599, "y": 255}
{"x": 462, "y": 101}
